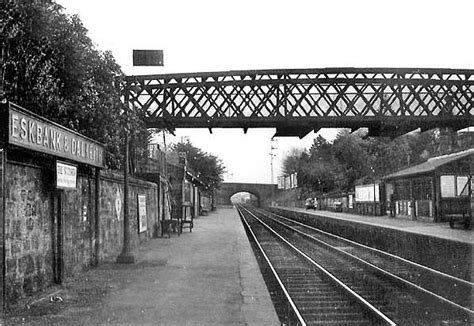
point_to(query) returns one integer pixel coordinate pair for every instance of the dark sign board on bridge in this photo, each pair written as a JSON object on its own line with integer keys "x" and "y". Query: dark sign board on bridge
{"x": 148, "y": 57}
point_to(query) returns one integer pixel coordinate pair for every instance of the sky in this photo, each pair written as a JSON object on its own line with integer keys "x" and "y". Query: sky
{"x": 202, "y": 36}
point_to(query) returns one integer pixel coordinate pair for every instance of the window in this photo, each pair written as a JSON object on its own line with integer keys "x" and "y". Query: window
{"x": 462, "y": 188}
{"x": 447, "y": 186}
{"x": 454, "y": 186}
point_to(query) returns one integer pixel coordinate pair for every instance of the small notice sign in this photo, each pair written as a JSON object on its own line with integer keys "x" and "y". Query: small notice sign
{"x": 66, "y": 176}
{"x": 142, "y": 223}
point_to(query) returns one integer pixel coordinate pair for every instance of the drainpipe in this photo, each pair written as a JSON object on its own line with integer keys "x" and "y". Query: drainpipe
{"x": 97, "y": 215}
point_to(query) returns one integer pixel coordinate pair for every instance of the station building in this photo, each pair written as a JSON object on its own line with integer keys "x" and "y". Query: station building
{"x": 433, "y": 190}
{"x": 191, "y": 197}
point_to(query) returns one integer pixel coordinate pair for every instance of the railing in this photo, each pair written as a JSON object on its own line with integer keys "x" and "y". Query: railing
{"x": 309, "y": 98}
{"x": 154, "y": 162}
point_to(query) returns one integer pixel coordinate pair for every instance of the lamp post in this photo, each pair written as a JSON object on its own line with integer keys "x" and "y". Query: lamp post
{"x": 2, "y": 56}
{"x": 271, "y": 168}
{"x": 126, "y": 256}
{"x": 140, "y": 58}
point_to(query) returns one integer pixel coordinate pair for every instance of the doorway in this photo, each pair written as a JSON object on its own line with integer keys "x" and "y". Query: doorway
{"x": 57, "y": 237}
{"x": 2, "y": 232}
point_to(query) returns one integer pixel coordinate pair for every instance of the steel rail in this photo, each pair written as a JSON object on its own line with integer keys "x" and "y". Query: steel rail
{"x": 367, "y": 305}
{"x": 275, "y": 274}
{"x": 387, "y": 273}
{"x": 395, "y": 257}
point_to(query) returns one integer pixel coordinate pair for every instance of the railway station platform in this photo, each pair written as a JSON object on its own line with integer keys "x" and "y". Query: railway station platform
{"x": 434, "y": 245}
{"x": 438, "y": 230}
{"x": 207, "y": 277}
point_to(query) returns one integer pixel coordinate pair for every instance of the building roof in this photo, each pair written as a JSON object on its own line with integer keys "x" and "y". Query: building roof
{"x": 431, "y": 165}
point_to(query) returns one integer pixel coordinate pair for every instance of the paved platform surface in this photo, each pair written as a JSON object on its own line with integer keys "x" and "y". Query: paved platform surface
{"x": 440, "y": 230}
{"x": 207, "y": 277}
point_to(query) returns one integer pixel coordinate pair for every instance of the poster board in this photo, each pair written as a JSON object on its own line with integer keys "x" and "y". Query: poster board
{"x": 141, "y": 206}
{"x": 367, "y": 193}
{"x": 294, "y": 180}
{"x": 281, "y": 182}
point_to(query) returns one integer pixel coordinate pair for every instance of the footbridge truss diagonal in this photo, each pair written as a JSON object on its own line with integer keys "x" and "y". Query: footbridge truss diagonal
{"x": 388, "y": 101}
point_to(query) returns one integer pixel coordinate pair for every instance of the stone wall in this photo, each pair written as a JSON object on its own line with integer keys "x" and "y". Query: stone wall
{"x": 78, "y": 226}
{"x": 28, "y": 236}
{"x": 30, "y": 230}
{"x": 2, "y": 238}
{"x": 111, "y": 213}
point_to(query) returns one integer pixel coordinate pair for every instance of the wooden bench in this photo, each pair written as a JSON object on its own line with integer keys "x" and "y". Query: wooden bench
{"x": 187, "y": 223}
{"x": 461, "y": 218}
{"x": 171, "y": 225}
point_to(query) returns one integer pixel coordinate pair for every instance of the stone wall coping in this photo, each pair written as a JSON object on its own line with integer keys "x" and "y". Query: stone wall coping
{"x": 116, "y": 176}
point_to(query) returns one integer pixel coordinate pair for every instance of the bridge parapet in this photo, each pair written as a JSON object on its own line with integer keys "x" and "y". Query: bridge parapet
{"x": 262, "y": 191}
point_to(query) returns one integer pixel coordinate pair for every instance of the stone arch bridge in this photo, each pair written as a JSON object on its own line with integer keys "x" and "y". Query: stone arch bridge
{"x": 262, "y": 191}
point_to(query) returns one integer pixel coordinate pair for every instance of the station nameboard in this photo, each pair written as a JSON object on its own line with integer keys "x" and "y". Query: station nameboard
{"x": 28, "y": 130}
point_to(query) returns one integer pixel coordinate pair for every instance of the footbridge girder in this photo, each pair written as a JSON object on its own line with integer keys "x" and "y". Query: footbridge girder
{"x": 386, "y": 100}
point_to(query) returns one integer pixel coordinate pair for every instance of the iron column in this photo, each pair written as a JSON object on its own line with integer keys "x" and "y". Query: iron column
{"x": 126, "y": 256}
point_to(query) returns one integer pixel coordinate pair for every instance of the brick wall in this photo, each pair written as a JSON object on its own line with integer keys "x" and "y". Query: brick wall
{"x": 30, "y": 202}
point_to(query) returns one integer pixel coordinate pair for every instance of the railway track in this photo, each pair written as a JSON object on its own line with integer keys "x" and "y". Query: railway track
{"x": 330, "y": 280}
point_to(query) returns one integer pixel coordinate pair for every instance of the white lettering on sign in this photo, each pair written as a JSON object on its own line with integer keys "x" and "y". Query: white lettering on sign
{"x": 32, "y": 132}
{"x": 66, "y": 176}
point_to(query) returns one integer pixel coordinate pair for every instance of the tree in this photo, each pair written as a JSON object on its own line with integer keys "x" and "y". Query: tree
{"x": 317, "y": 169}
{"x": 337, "y": 166}
{"x": 350, "y": 151}
{"x": 291, "y": 160}
{"x": 207, "y": 167}
{"x": 316, "y": 175}
{"x": 52, "y": 68}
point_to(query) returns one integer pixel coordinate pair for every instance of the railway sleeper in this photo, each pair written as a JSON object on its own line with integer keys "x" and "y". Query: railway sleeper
{"x": 329, "y": 310}
{"x": 341, "y": 316}
{"x": 323, "y": 304}
{"x": 312, "y": 289}
{"x": 361, "y": 322}
{"x": 327, "y": 297}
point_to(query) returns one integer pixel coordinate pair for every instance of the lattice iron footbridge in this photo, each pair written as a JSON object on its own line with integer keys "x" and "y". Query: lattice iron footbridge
{"x": 388, "y": 101}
